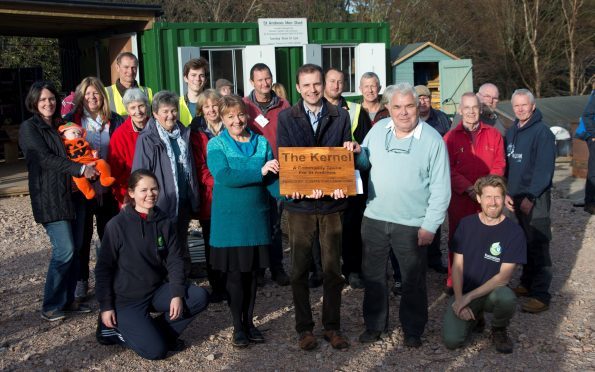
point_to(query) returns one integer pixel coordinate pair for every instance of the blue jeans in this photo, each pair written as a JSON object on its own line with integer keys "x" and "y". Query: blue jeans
{"x": 60, "y": 281}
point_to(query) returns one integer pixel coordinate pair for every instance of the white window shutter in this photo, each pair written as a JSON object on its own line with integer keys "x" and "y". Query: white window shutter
{"x": 184, "y": 55}
{"x": 313, "y": 54}
{"x": 253, "y": 54}
{"x": 370, "y": 57}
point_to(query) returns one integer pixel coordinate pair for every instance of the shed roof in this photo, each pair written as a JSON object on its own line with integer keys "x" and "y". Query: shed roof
{"x": 43, "y": 18}
{"x": 559, "y": 111}
{"x": 400, "y": 53}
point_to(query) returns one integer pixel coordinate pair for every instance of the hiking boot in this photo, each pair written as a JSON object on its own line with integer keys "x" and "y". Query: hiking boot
{"x": 336, "y": 339}
{"x": 82, "y": 288}
{"x": 280, "y": 277}
{"x": 53, "y": 315}
{"x": 520, "y": 291}
{"x": 501, "y": 341}
{"x": 307, "y": 341}
{"x": 355, "y": 281}
{"x": 534, "y": 306}
{"x": 369, "y": 336}
{"x": 397, "y": 289}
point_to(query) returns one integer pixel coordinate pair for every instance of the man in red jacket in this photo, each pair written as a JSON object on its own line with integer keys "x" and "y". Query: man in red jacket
{"x": 264, "y": 107}
{"x": 475, "y": 149}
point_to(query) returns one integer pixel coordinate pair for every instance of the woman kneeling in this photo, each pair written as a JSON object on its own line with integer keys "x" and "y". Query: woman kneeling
{"x": 140, "y": 269}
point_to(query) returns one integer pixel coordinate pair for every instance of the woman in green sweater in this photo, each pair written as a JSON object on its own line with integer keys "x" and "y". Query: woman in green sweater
{"x": 245, "y": 171}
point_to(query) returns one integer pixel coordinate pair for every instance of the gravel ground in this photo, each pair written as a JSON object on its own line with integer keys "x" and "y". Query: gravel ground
{"x": 562, "y": 338}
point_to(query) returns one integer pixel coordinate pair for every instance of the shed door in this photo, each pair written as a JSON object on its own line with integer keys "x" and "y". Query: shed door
{"x": 253, "y": 54}
{"x": 456, "y": 78}
{"x": 370, "y": 57}
{"x": 185, "y": 54}
{"x": 313, "y": 54}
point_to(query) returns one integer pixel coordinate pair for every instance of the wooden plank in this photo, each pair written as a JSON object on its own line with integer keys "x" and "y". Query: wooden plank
{"x": 303, "y": 169}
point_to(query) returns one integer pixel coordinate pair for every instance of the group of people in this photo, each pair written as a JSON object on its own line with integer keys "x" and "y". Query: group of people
{"x": 212, "y": 156}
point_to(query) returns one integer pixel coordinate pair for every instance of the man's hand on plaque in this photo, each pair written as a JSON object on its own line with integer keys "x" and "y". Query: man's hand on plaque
{"x": 270, "y": 166}
{"x": 352, "y": 146}
{"x": 338, "y": 194}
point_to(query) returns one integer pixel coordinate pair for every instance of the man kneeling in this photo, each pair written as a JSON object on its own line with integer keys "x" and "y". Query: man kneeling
{"x": 486, "y": 246}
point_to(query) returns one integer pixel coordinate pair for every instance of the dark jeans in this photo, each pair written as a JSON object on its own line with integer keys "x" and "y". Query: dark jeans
{"x": 380, "y": 237}
{"x": 150, "y": 337}
{"x": 501, "y": 302}
{"x": 60, "y": 280}
{"x": 434, "y": 256}
{"x": 216, "y": 277}
{"x": 103, "y": 207}
{"x": 352, "y": 236}
{"x": 303, "y": 228}
{"x": 590, "y": 185}
{"x": 537, "y": 273}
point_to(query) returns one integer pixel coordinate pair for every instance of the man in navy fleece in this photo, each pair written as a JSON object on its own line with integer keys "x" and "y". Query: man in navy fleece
{"x": 531, "y": 155}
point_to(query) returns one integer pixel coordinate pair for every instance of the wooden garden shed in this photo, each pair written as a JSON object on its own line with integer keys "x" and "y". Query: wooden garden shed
{"x": 425, "y": 63}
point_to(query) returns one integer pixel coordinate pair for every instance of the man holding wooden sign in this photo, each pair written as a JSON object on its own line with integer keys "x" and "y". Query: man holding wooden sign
{"x": 316, "y": 125}
{"x": 409, "y": 192}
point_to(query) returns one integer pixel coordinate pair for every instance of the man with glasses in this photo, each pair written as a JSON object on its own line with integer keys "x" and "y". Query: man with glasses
{"x": 409, "y": 192}
{"x": 436, "y": 118}
{"x": 475, "y": 149}
{"x": 489, "y": 96}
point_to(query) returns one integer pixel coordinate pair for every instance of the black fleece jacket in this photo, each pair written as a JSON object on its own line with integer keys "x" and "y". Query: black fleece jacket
{"x": 136, "y": 257}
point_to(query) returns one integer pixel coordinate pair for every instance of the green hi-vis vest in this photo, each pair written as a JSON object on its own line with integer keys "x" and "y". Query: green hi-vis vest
{"x": 185, "y": 116}
{"x": 115, "y": 99}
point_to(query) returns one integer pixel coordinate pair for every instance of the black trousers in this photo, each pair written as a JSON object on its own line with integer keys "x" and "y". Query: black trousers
{"x": 352, "y": 235}
{"x": 537, "y": 273}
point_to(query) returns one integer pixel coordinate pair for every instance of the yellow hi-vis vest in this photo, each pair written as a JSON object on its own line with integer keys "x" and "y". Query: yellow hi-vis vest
{"x": 354, "y": 111}
{"x": 185, "y": 116}
{"x": 115, "y": 99}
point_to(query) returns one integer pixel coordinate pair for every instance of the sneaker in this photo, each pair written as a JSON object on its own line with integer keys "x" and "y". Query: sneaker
{"x": 534, "y": 306}
{"x": 397, "y": 289}
{"x": 280, "y": 277}
{"x": 240, "y": 339}
{"x": 104, "y": 335}
{"x": 307, "y": 341}
{"x": 501, "y": 341}
{"x": 412, "y": 341}
{"x": 369, "y": 336}
{"x": 355, "y": 281}
{"x": 315, "y": 280}
{"x": 76, "y": 308}
{"x": 82, "y": 288}
{"x": 53, "y": 315}
{"x": 520, "y": 291}
{"x": 254, "y": 335}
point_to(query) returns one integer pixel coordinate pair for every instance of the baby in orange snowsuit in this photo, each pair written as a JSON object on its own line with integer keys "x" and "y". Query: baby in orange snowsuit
{"x": 79, "y": 150}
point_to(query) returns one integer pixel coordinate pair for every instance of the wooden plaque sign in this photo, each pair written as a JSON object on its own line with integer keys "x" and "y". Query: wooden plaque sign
{"x": 303, "y": 169}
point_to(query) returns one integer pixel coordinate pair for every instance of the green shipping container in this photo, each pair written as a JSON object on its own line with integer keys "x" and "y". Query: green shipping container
{"x": 341, "y": 45}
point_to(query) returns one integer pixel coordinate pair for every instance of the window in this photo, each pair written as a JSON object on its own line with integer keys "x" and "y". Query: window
{"x": 342, "y": 58}
{"x": 225, "y": 64}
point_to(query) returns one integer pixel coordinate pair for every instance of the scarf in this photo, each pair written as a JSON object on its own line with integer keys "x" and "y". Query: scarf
{"x": 175, "y": 135}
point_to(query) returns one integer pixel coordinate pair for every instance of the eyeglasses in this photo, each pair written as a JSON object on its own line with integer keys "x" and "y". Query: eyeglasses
{"x": 396, "y": 150}
{"x": 489, "y": 97}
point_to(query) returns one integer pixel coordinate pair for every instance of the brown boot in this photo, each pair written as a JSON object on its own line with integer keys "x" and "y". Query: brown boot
{"x": 337, "y": 340}
{"x": 307, "y": 341}
{"x": 534, "y": 306}
{"x": 520, "y": 291}
{"x": 501, "y": 341}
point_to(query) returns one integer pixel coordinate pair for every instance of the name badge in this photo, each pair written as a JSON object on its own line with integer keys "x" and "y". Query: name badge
{"x": 261, "y": 120}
